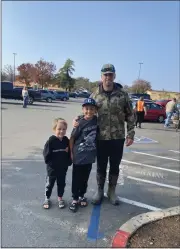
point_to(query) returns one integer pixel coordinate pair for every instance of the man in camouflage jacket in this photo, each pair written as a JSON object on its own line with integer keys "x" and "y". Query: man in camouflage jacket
{"x": 114, "y": 108}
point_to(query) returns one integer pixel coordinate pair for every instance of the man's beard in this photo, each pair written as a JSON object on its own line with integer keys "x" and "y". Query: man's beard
{"x": 109, "y": 84}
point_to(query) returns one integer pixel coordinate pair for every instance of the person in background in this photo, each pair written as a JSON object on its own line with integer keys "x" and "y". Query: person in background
{"x": 57, "y": 158}
{"x": 25, "y": 96}
{"x": 114, "y": 109}
{"x": 83, "y": 151}
{"x": 140, "y": 111}
{"x": 171, "y": 107}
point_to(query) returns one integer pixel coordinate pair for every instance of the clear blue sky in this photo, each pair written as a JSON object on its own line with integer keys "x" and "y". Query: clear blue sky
{"x": 95, "y": 33}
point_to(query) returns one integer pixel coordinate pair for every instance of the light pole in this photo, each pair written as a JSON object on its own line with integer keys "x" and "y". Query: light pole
{"x": 14, "y": 66}
{"x": 140, "y": 63}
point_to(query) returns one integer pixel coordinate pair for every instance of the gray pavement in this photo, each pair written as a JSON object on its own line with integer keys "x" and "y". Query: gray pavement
{"x": 149, "y": 180}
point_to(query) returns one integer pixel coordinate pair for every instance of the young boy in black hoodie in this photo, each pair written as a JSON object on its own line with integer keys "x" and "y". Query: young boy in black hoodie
{"x": 83, "y": 152}
{"x": 57, "y": 158}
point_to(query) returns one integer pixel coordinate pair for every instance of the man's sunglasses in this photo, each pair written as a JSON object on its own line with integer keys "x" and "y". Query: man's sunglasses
{"x": 108, "y": 70}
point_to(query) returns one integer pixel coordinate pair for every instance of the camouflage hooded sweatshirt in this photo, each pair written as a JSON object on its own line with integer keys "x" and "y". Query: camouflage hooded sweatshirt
{"x": 113, "y": 110}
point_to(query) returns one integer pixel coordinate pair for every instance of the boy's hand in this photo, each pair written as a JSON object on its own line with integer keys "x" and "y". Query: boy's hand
{"x": 129, "y": 141}
{"x": 75, "y": 123}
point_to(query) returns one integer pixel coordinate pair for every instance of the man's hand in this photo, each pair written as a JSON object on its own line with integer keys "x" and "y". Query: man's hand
{"x": 129, "y": 141}
{"x": 75, "y": 123}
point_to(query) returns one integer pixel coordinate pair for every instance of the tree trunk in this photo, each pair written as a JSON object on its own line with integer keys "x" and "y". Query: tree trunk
{"x": 42, "y": 84}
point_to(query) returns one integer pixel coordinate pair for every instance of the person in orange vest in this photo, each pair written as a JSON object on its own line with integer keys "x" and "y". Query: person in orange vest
{"x": 140, "y": 111}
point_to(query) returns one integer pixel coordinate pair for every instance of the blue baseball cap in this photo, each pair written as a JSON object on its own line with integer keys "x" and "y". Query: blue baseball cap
{"x": 89, "y": 101}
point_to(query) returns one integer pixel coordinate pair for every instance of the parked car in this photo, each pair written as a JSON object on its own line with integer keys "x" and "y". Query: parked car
{"x": 162, "y": 102}
{"x": 73, "y": 95}
{"x": 9, "y": 92}
{"x": 83, "y": 94}
{"x": 47, "y": 96}
{"x": 155, "y": 112}
{"x": 60, "y": 95}
{"x": 146, "y": 100}
{"x": 138, "y": 95}
{"x": 53, "y": 92}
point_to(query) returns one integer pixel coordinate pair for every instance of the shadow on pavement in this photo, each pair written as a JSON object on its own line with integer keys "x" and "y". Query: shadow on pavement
{"x": 161, "y": 129}
{"x": 39, "y": 105}
{"x": 76, "y": 100}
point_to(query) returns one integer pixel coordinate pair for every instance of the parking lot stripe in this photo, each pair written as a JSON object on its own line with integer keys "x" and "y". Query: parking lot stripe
{"x": 163, "y": 157}
{"x": 151, "y": 166}
{"x": 175, "y": 151}
{"x": 93, "y": 229}
{"x": 152, "y": 182}
{"x": 139, "y": 204}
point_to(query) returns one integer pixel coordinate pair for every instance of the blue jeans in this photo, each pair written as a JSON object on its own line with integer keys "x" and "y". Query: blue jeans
{"x": 25, "y": 101}
{"x": 168, "y": 118}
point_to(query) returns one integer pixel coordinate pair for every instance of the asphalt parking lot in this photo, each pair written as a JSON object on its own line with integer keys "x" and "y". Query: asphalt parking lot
{"x": 149, "y": 180}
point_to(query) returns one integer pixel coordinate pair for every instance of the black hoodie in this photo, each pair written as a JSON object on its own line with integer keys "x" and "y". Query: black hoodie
{"x": 57, "y": 152}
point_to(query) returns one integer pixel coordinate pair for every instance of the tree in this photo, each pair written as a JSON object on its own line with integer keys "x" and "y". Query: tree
{"x": 82, "y": 82}
{"x": 54, "y": 81}
{"x": 71, "y": 84}
{"x": 127, "y": 88}
{"x": 44, "y": 72}
{"x": 3, "y": 76}
{"x": 7, "y": 73}
{"x": 65, "y": 75}
{"x": 27, "y": 73}
{"x": 140, "y": 86}
{"x": 94, "y": 85}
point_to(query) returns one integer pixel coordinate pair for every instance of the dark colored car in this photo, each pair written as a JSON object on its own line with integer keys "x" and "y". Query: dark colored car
{"x": 47, "y": 95}
{"x": 9, "y": 92}
{"x": 73, "y": 95}
{"x": 155, "y": 112}
{"x": 138, "y": 95}
{"x": 61, "y": 95}
{"x": 83, "y": 95}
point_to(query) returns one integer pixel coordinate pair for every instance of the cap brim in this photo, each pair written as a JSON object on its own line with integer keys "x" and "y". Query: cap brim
{"x": 89, "y": 104}
{"x": 107, "y": 72}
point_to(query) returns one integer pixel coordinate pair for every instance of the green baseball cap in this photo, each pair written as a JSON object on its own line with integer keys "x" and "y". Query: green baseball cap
{"x": 108, "y": 68}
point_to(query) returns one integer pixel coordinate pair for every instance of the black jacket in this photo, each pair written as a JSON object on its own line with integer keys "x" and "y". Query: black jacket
{"x": 57, "y": 153}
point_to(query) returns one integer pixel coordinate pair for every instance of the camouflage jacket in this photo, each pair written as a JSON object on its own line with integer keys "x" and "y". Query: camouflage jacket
{"x": 113, "y": 111}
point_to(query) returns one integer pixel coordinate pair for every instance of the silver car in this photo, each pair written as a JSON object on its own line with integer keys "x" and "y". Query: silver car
{"x": 47, "y": 96}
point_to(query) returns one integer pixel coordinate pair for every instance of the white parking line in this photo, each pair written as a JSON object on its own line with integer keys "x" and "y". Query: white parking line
{"x": 136, "y": 203}
{"x": 139, "y": 204}
{"x": 175, "y": 151}
{"x": 163, "y": 157}
{"x": 152, "y": 182}
{"x": 151, "y": 166}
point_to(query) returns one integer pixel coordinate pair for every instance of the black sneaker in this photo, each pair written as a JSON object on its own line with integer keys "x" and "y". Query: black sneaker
{"x": 73, "y": 207}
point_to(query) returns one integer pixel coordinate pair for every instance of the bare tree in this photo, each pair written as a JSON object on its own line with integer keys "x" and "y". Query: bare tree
{"x": 140, "y": 86}
{"x": 7, "y": 73}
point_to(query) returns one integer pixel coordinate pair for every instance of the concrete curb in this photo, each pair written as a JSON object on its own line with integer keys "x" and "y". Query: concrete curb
{"x": 121, "y": 237}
